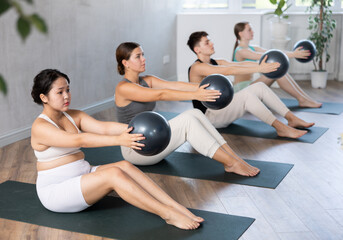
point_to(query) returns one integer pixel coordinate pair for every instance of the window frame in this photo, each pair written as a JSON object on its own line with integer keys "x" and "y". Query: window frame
{"x": 236, "y": 7}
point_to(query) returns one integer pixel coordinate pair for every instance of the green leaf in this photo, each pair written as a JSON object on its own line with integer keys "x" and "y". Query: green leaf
{"x": 3, "y": 87}
{"x": 278, "y": 12}
{"x": 4, "y": 6}
{"x": 272, "y": 1}
{"x": 23, "y": 27}
{"x": 39, "y": 23}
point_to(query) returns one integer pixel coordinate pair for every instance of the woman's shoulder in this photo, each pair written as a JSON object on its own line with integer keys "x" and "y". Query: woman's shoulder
{"x": 147, "y": 78}
{"x": 74, "y": 113}
{"x": 250, "y": 47}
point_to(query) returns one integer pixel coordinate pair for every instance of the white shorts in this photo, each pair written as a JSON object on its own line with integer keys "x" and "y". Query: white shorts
{"x": 59, "y": 189}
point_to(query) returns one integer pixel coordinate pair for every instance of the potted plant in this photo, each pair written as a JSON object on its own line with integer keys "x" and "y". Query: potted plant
{"x": 24, "y": 23}
{"x": 321, "y": 25}
{"x": 279, "y": 27}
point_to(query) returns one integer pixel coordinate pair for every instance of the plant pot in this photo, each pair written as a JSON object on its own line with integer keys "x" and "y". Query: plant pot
{"x": 279, "y": 30}
{"x": 319, "y": 79}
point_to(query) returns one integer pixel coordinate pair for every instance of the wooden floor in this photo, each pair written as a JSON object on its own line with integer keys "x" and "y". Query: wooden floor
{"x": 308, "y": 204}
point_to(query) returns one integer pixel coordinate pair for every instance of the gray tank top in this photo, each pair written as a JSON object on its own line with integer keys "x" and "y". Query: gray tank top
{"x": 126, "y": 113}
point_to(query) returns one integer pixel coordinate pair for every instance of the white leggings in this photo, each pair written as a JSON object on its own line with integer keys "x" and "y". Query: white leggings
{"x": 59, "y": 189}
{"x": 191, "y": 126}
{"x": 253, "y": 99}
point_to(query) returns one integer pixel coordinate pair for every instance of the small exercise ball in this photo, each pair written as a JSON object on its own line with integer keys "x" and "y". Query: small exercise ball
{"x": 221, "y": 83}
{"x": 274, "y": 55}
{"x": 306, "y": 45}
{"x": 155, "y": 129}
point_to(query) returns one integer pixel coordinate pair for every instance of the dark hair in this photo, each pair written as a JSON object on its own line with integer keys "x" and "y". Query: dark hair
{"x": 42, "y": 83}
{"x": 123, "y": 52}
{"x": 239, "y": 27}
{"x": 195, "y": 38}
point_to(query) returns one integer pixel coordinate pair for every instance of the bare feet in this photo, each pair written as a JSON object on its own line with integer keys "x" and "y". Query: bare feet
{"x": 283, "y": 130}
{"x": 242, "y": 168}
{"x": 295, "y": 122}
{"x": 300, "y": 124}
{"x": 309, "y": 103}
{"x": 188, "y": 213}
{"x": 290, "y": 132}
{"x": 179, "y": 220}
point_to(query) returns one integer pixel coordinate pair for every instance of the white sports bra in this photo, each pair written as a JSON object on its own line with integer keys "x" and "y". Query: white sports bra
{"x": 53, "y": 153}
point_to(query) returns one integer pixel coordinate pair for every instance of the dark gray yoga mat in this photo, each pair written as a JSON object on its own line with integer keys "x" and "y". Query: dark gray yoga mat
{"x": 326, "y": 108}
{"x": 112, "y": 217}
{"x": 196, "y": 166}
{"x": 260, "y": 129}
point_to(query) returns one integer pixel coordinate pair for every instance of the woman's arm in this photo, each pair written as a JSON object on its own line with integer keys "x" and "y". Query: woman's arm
{"x": 247, "y": 53}
{"x": 174, "y": 92}
{"x": 158, "y": 83}
{"x": 44, "y": 133}
{"x": 91, "y": 125}
{"x": 298, "y": 53}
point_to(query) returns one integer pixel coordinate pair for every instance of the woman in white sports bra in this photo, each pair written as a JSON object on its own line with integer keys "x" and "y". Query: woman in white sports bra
{"x": 243, "y": 51}
{"x": 66, "y": 182}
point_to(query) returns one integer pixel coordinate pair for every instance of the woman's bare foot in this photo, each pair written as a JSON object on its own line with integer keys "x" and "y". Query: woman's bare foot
{"x": 242, "y": 168}
{"x": 188, "y": 213}
{"x": 283, "y": 130}
{"x": 179, "y": 220}
{"x": 295, "y": 122}
{"x": 300, "y": 124}
{"x": 306, "y": 103}
{"x": 229, "y": 151}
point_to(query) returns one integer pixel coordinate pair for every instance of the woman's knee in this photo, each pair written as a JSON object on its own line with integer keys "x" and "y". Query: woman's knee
{"x": 259, "y": 85}
{"x": 125, "y": 165}
{"x": 112, "y": 174}
{"x": 188, "y": 116}
{"x": 194, "y": 112}
{"x": 260, "y": 90}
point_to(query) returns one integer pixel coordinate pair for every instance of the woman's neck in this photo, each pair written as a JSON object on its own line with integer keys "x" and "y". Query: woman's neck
{"x": 52, "y": 113}
{"x": 132, "y": 76}
{"x": 243, "y": 43}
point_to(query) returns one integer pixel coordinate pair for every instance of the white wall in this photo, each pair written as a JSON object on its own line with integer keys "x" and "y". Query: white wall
{"x": 81, "y": 42}
{"x": 220, "y": 27}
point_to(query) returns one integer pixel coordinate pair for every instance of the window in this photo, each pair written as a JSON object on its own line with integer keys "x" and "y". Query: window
{"x": 251, "y": 5}
{"x": 205, "y": 4}
{"x": 257, "y": 4}
{"x": 306, "y": 3}
{"x": 302, "y": 3}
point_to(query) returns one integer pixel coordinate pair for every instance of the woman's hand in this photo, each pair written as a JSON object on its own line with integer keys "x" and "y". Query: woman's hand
{"x": 205, "y": 95}
{"x": 303, "y": 54}
{"x": 268, "y": 67}
{"x": 130, "y": 140}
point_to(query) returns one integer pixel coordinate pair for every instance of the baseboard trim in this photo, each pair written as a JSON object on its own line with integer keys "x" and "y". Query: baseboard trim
{"x": 25, "y": 132}
{"x": 15, "y": 135}
{"x": 99, "y": 106}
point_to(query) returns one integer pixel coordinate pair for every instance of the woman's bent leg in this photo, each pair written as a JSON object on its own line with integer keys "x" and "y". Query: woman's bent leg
{"x": 99, "y": 183}
{"x": 288, "y": 84}
{"x": 150, "y": 186}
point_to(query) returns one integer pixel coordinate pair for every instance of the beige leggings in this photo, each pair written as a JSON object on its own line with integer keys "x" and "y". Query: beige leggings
{"x": 191, "y": 126}
{"x": 255, "y": 99}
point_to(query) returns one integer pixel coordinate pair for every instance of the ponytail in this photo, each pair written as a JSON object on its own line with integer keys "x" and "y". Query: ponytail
{"x": 234, "y": 48}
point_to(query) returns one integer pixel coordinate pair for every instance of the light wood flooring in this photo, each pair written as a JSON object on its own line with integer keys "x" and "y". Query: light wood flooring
{"x": 307, "y": 205}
